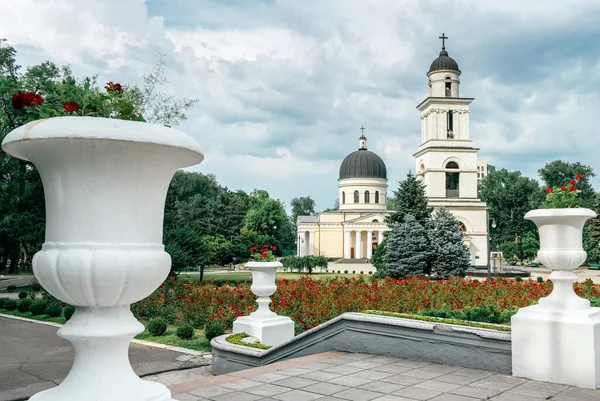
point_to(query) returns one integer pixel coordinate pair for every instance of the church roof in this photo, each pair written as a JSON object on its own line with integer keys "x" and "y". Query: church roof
{"x": 363, "y": 164}
{"x": 444, "y": 62}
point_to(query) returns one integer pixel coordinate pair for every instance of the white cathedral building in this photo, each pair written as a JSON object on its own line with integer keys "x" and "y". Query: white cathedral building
{"x": 446, "y": 162}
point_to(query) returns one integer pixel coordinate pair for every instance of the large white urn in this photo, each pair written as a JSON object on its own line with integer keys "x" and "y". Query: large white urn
{"x": 105, "y": 184}
{"x": 263, "y": 323}
{"x": 558, "y": 340}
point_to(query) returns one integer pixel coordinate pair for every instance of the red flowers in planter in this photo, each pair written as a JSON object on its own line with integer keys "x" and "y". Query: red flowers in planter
{"x": 111, "y": 87}
{"x": 71, "y": 107}
{"x": 26, "y": 99}
{"x": 264, "y": 254}
{"x": 565, "y": 196}
{"x": 579, "y": 176}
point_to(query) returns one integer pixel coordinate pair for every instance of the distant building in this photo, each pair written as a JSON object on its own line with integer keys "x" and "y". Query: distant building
{"x": 483, "y": 168}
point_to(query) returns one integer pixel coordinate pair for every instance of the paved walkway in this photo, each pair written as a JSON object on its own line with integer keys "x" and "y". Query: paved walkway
{"x": 33, "y": 358}
{"x": 336, "y": 376}
{"x": 19, "y": 281}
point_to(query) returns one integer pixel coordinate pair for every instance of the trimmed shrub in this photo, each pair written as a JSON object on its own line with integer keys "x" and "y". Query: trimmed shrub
{"x": 213, "y": 329}
{"x": 68, "y": 311}
{"x": 10, "y": 304}
{"x": 345, "y": 271}
{"x": 518, "y": 278}
{"x": 11, "y": 288}
{"x": 370, "y": 272}
{"x": 53, "y": 310}
{"x": 353, "y": 271}
{"x": 24, "y": 305}
{"x": 185, "y": 331}
{"x": 35, "y": 286}
{"x": 2, "y": 300}
{"x": 540, "y": 279}
{"x": 157, "y": 326}
{"x": 22, "y": 295}
{"x": 38, "y": 307}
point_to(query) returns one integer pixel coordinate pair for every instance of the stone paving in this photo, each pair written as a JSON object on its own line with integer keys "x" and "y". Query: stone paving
{"x": 337, "y": 376}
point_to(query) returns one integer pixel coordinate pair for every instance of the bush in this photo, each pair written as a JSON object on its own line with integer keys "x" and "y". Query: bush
{"x": 10, "y": 304}
{"x": 213, "y": 329}
{"x": 68, "y": 311}
{"x": 53, "y": 310}
{"x": 362, "y": 272}
{"x": 157, "y": 326}
{"x": 345, "y": 271}
{"x": 11, "y": 288}
{"x": 24, "y": 305}
{"x": 540, "y": 279}
{"x": 485, "y": 314}
{"x": 518, "y": 279}
{"x": 339, "y": 271}
{"x": 2, "y": 300}
{"x": 353, "y": 271}
{"x": 35, "y": 286}
{"x": 370, "y": 272}
{"x": 22, "y": 295}
{"x": 185, "y": 331}
{"x": 38, "y": 307}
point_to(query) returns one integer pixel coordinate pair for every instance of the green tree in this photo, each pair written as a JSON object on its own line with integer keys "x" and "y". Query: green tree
{"x": 335, "y": 207}
{"x": 407, "y": 250}
{"x": 449, "y": 255}
{"x": 267, "y": 216}
{"x": 558, "y": 173}
{"x": 531, "y": 245}
{"x": 302, "y": 206}
{"x": 378, "y": 257}
{"x": 409, "y": 199}
{"x": 594, "y": 227}
{"x": 509, "y": 196}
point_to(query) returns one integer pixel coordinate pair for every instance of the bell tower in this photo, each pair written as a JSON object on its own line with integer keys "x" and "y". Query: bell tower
{"x": 446, "y": 160}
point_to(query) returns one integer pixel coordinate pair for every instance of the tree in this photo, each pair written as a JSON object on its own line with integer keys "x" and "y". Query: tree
{"x": 302, "y": 206}
{"x": 336, "y": 206}
{"x": 558, "y": 173}
{"x": 378, "y": 257}
{"x": 409, "y": 199}
{"x": 267, "y": 216}
{"x": 594, "y": 226}
{"x": 406, "y": 250}
{"x": 449, "y": 255}
{"x": 509, "y": 196}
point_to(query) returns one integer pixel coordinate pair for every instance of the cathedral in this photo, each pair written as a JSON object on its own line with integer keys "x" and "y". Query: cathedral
{"x": 446, "y": 162}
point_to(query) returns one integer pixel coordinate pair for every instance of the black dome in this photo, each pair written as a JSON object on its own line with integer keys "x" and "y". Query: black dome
{"x": 444, "y": 62}
{"x": 363, "y": 164}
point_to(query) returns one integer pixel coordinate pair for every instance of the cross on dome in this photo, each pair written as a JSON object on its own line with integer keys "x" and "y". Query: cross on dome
{"x": 443, "y": 37}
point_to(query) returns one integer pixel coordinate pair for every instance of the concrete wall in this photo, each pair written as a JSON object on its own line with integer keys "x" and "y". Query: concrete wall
{"x": 379, "y": 335}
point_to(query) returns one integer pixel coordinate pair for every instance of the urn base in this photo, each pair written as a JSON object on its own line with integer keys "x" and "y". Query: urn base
{"x": 270, "y": 330}
{"x": 557, "y": 346}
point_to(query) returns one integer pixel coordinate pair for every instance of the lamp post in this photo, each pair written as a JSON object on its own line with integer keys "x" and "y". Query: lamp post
{"x": 498, "y": 259}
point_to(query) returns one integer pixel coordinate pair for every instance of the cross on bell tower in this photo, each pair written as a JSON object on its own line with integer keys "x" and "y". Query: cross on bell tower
{"x": 443, "y": 37}
{"x": 362, "y": 141}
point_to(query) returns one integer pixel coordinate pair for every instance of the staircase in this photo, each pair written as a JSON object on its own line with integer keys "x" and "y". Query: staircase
{"x": 353, "y": 261}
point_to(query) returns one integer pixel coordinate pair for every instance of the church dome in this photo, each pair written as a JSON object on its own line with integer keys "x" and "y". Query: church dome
{"x": 363, "y": 164}
{"x": 444, "y": 62}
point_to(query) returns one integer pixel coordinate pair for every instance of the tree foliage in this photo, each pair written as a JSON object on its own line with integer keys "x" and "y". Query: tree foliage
{"x": 449, "y": 255}
{"x": 559, "y": 172}
{"x": 302, "y": 206}
{"x": 406, "y": 250}
{"x": 409, "y": 199}
{"x": 304, "y": 263}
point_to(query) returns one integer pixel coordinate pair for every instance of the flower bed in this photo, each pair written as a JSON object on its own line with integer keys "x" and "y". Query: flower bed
{"x": 312, "y": 302}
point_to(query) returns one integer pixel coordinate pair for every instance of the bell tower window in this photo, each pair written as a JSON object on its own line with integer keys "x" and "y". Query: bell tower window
{"x": 376, "y": 196}
{"x": 452, "y": 181}
{"x": 356, "y": 197}
{"x": 448, "y": 87}
{"x": 367, "y": 197}
{"x": 450, "y": 125}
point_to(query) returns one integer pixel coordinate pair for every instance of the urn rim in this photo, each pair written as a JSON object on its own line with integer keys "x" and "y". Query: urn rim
{"x": 252, "y": 264}
{"x": 564, "y": 212}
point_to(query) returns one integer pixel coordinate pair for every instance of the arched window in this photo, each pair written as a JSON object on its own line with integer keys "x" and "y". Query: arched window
{"x": 367, "y": 197}
{"x": 356, "y": 197}
{"x": 448, "y": 87}
{"x": 376, "y": 196}
{"x": 452, "y": 181}
{"x": 462, "y": 227}
{"x": 343, "y": 198}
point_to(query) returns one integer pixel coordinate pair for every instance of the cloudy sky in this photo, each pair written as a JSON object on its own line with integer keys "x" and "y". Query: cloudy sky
{"x": 284, "y": 85}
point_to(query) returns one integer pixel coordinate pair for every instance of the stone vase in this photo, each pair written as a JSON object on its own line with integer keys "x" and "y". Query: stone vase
{"x": 105, "y": 183}
{"x": 263, "y": 323}
{"x": 558, "y": 340}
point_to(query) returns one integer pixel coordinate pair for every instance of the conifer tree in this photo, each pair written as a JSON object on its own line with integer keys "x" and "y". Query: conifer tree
{"x": 449, "y": 255}
{"x": 409, "y": 199}
{"x": 406, "y": 249}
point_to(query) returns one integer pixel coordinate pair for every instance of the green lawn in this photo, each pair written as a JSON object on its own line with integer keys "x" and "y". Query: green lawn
{"x": 247, "y": 276}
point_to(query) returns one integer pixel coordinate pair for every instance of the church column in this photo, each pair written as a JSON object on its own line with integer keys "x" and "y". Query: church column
{"x": 311, "y": 243}
{"x": 302, "y": 243}
{"x": 369, "y": 244}
{"x": 358, "y": 245}
{"x": 379, "y": 237}
{"x": 347, "y": 244}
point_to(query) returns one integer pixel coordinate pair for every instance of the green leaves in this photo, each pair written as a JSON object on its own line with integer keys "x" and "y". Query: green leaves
{"x": 409, "y": 199}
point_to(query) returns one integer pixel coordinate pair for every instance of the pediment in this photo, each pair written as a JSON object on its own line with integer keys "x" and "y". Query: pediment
{"x": 380, "y": 217}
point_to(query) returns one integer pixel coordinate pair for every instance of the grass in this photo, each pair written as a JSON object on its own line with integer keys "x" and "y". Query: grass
{"x": 440, "y": 320}
{"x": 237, "y": 340}
{"x": 44, "y": 318}
{"x": 197, "y": 343}
{"x": 247, "y": 276}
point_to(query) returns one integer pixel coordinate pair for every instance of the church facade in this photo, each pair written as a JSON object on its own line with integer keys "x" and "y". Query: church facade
{"x": 446, "y": 162}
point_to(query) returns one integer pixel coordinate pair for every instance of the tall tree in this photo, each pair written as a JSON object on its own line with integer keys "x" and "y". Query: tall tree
{"x": 409, "y": 199}
{"x": 407, "y": 249}
{"x": 509, "y": 196}
{"x": 558, "y": 173}
{"x": 302, "y": 206}
{"x": 267, "y": 216}
{"x": 449, "y": 255}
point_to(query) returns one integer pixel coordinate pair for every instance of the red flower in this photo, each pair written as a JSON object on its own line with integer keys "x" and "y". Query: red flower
{"x": 579, "y": 176}
{"x": 254, "y": 248}
{"x": 110, "y": 87}
{"x": 564, "y": 188}
{"x": 573, "y": 189}
{"x": 274, "y": 248}
{"x": 572, "y": 182}
{"x": 264, "y": 255}
{"x": 549, "y": 190}
{"x": 26, "y": 99}
{"x": 71, "y": 107}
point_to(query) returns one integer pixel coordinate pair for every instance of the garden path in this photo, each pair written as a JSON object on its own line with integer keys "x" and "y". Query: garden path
{"x": 33, "y": 358}
{"x": 337, "y": 376}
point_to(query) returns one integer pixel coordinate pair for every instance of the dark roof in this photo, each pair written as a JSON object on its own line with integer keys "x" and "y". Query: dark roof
{"x": 363, "y": 164}
{"x": 444, "y": 62}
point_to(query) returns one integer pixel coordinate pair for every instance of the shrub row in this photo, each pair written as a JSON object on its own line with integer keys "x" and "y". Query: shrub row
{"x": 37, "y": 307}
{"x": 158, "y": 327}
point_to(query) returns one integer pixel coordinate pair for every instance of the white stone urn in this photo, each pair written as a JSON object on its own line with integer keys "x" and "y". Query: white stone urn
{"x": 558, "y": 340}
{"x": 263, "y": 323}
{"x": 105, "y": 183}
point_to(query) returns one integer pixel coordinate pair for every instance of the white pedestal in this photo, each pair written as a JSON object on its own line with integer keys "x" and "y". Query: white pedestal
{"x": 557, "y": 346}
{"x": 270, "y": 330}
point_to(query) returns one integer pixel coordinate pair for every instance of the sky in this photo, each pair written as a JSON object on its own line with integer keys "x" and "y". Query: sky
{"x": 284, "y": 85}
